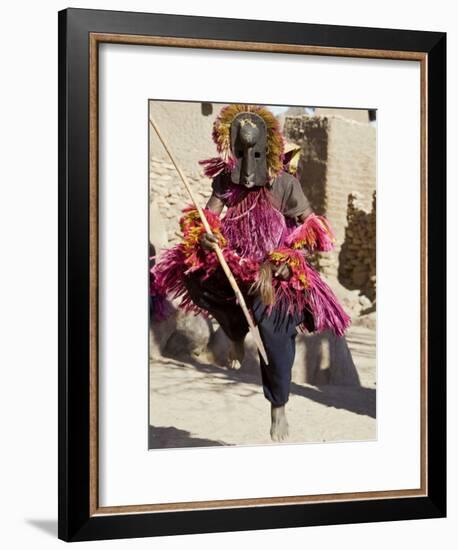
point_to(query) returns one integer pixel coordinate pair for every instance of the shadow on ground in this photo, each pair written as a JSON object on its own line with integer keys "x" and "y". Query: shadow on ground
{"x": 170, "y": 437}
{"x": 355, "y": 399}
{"x": 244, "y": 375}
{"x": 358, "y": 400}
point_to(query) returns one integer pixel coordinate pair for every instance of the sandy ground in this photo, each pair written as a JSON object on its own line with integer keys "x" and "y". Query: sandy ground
{"x": 193, "y": 404}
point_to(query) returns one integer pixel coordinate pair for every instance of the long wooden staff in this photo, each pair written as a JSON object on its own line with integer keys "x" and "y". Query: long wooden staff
{"x": 241, "y": 301}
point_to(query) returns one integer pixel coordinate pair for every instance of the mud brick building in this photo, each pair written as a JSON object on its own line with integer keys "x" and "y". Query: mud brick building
{"x": 337, "y": 171}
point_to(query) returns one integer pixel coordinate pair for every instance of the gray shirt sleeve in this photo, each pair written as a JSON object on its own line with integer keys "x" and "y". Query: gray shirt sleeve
{"x": 294, "y": 202}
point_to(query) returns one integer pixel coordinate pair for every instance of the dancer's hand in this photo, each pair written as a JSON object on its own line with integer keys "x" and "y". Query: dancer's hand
{"x": 208, "y": 241}
{"x": 282, "y": 272}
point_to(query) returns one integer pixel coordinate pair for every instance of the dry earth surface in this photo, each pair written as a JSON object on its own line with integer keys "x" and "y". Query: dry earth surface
{"x": 194, "y": 403}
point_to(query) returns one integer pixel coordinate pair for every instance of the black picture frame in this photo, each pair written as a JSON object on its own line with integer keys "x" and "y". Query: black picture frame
{"x": 76, "y": 519}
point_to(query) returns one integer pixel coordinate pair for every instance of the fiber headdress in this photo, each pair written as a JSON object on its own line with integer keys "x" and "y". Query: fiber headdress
{"x": 222, "y": 139}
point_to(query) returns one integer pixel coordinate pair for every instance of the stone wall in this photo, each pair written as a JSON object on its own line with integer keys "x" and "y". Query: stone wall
{"x": 359, "y": 115}
{"x": 357, "y": 259}
{"x": 168, "y": 196}
{"x": 187, "y": 128}
{"x": 338, "y": 159}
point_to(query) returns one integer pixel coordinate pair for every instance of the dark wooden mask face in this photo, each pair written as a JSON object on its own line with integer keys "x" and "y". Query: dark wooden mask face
{"x": 249, "y": 147}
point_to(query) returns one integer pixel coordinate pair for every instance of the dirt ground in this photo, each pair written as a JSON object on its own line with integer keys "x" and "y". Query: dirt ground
{"x": 194, "y": 404}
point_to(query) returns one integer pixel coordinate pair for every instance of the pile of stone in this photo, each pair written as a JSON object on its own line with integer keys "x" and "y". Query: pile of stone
{"x": 357, "y": 261}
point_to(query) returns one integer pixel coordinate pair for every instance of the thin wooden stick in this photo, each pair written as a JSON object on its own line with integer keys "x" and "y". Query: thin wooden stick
{"x": 235, "y": 287}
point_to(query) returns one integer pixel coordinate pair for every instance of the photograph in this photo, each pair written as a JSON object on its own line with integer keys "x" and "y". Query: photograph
{"x": 262, "y": 283}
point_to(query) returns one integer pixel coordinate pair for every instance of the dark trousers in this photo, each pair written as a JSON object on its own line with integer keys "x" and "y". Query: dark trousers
{"x": 277, "y": 329}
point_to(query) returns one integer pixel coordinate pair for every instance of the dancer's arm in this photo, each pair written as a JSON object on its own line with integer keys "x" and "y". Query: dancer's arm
{"x": 216, "y": 205}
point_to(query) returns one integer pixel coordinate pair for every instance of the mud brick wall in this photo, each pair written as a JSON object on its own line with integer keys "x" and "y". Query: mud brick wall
{"x": 168, "y": 195}
{"x": 187, "y": 128}
{"x": 338, "y": 158}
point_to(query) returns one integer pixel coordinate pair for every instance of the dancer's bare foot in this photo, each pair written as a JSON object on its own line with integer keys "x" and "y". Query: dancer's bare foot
{"x": 236, "y": 354}
{"x": 279, "y": 429}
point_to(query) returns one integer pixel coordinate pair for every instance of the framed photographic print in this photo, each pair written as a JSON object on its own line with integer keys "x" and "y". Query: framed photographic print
{"x": 251, "y": 274}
